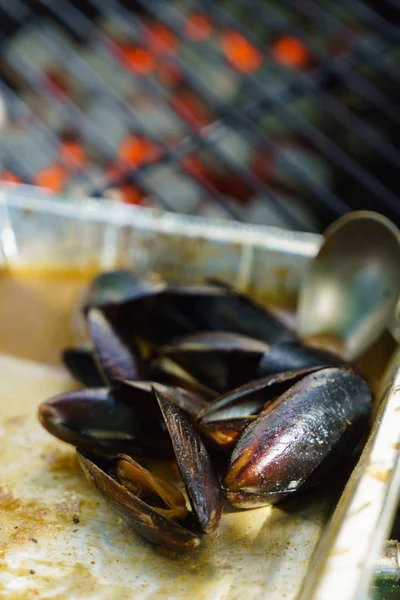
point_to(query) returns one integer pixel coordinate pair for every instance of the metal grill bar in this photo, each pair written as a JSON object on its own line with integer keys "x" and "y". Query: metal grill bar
{"x": 212, "y": 133}
{"x": 228, "y": 113}
{"x": 374, "y": 52}
{"x": 88, "y": 76}
{"x": 371, "y": 17}
{"x": 354, "y": 81}
{"x": 329, "y": 149}
{"x": 19, "y": 106}
{"x": 84, "y": 27}
{"x": 332, "y": 151}
{"x": 48, "y": 136}
{"x": 345, "y": 161}
{"x": 28, "y": 70}
{"x": 341, "y": 113}
{"x": 31, "y": 74}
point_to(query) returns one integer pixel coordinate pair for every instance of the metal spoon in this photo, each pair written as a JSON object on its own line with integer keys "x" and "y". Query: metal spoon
{"x": 351, "y": 290}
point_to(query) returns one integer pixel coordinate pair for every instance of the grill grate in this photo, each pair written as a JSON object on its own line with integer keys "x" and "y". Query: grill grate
{"x": 270, "y": 112}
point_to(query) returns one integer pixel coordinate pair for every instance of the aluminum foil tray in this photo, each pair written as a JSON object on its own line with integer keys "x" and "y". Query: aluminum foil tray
{"x": 58, "y": 539}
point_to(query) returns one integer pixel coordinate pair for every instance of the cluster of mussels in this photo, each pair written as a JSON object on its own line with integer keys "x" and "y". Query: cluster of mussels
{"x": 197, "y": 373}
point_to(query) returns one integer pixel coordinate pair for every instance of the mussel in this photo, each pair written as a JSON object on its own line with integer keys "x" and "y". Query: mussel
{"x": 190, "y": 372}
{"x": 153, "y": 507}
{"x": 81, "y": 363}
{"x": 125, "y": 418}
{"x": 292, "y": 356}
{"x": 116, "y": 358}
{"x": 111, "y": 354}
{"x": 109, "y": 357}
{"x": 298, "y": 439}
{"x": 221, "y": 361}
{"x": 180, "y": 310}
{"x": 225, "y": 419}
{"x": 212, "y": 354}
{"x": 150, "y": 506}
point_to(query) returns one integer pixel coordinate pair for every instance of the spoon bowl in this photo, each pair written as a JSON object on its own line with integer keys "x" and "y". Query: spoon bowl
{"x": 353, "y": 285}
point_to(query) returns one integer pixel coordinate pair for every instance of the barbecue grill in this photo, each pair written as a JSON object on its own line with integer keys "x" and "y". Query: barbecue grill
{"x": 281, "y": 113}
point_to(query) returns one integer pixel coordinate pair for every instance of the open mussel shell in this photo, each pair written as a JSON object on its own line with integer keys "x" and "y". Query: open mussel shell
{"x": 95, "y": 420}
{"x": 181, "y": 310}
{"x": 168, "y": 372}
{"x": 141, "y": 516}
{"x": 313, "y": 426}
{"x": 195, "y": 465}
{"x": 81, "y": 364}
{"x": 154, "y": 508}
{"x": 220, "y": 361}
{"x": 225, "y": 433}
{"x": 224, "y": 420}
{"x": 125, "y": 419}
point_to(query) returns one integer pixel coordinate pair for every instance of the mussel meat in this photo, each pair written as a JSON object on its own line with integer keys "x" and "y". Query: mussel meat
{"x": 220, "y": 361}
{"x": 145, "y": 503}
{"x": 224, "y": 420}
{"x": 156, "y": 508}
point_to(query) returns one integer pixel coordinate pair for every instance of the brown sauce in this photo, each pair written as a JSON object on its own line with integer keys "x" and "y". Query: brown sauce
{"x": 36, "y": 312}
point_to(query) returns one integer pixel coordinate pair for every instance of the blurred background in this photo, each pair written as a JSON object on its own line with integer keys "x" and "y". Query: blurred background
{"x": 274, "y": 112}
{"x": 270, "y": 112}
